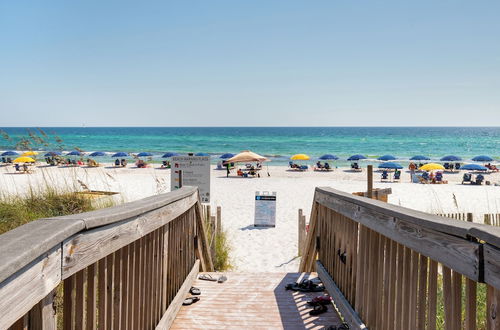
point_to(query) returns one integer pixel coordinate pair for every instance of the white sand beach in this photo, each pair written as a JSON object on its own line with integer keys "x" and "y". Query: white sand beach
{"x": 270, "y": 249}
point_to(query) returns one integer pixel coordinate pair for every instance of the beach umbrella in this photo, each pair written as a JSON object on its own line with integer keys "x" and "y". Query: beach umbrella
{"x": 386, "y": 158}
{"x": 473, "y": 167}
{"x": 419, "y": 157}
{"x": 390, "y": 165}
{"x": 328, "y": 157}
{"x": 169, "y": 154}
{"x": 30, "y": 153}
{"x": 300, "y": 157}
{"x": 97, "y": 154}
{"x": 120, "y": 154}
{"x": 356, "y": 157}
{"x": 10, "y": 153}
{"x": 451, "y": 158}
{"x": 144, "y": 154}
{"x": 74, "y": 153}
{"x": 482, "y": 158}
{"x": 52, "y": 153}
{"x": 247, "y": 156}
{"x": 226, "y": 156}
{"x": 202, "y": 154}
{"x": 432, "y": 167}
{"x": 24, "y": 159}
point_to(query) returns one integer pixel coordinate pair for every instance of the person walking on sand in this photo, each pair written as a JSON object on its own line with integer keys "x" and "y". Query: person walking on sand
{"x": 227, "y": 169}
{"x": 412, "y": 167}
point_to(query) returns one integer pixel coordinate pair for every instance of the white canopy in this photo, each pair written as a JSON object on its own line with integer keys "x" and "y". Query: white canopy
{"x": 247, "y": 156}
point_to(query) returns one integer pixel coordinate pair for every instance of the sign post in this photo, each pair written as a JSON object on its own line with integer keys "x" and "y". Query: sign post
{"x": 265, "y": 209}
{"x": 191, "y": 171}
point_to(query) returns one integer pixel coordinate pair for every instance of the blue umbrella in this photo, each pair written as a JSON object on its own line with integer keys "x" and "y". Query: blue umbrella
{"x": 120, "y": 154}
{"x": 451, "y": 158}
{"x": 482, "y": 158}
{"x": 74, "y": 153}
{"x": 226, "y": 156}
{"x": 52, "y": 153}
{"x": 201, "y": 154}
{"x": 419, "y": 157}
{"x": 10, "y": 153}
{"x": 328, "y": 156}
{"x": 356, "y": 157}
{"x": 390, "y": 165}
{"x": 386, "y": 157}
{"x": 473, "y": 167}
{"x": 170, "y": 154}
{"x": 144, "y": 154}
{"x": 97, "y": 154}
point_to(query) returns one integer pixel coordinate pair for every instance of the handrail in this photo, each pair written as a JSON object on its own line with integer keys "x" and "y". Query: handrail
{"x": 38, "y": 256}
{"x": 382, "y": 261}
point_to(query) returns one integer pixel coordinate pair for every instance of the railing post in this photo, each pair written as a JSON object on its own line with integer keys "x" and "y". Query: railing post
{"x": 369, "y": 192}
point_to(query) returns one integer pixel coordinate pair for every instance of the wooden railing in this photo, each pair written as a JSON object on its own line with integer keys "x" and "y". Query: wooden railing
{"x": 388, "y": 267}
{"x": 125, "y": 267}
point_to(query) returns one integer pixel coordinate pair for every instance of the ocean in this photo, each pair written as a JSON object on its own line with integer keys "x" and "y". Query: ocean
{"x": 277, "y": 143}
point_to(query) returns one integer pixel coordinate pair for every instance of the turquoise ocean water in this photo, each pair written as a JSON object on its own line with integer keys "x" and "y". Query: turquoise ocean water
{"x": 277, "y": 143}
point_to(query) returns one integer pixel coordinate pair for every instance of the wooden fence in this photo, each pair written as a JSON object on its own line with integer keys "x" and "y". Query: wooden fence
{"x": 388, "y": 267}
{"x": 213, "y": 224}
{"x": 125, "y": 267}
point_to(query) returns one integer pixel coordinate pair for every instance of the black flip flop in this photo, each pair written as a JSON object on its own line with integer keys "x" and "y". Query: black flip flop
{"x": 190, "y": 301}
{"x": 318, "y": 310}
{"x": 195, "y": 291}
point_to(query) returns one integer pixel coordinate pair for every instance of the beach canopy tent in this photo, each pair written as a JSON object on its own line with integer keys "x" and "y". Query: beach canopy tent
{"x": 328, "y": 157}
{"x": 386, "y": 158}
{"x": 432, "y": 167}
{"x": 52, "y": 154}
{"x": 30, "y": 153}
{"x": 10, "y": 153}
{"x": 144, "y": 154}
{"x": 74, "y": 153}
{"x": 24, "y": 159}
{"x": 473, "y": 167}
{"x": 482, "y": 158}
{"x": 97, "y": 154}
{"x": 419, "y": 157}
{"x": 201, "y": 154}
{"x": 120, "y": 154}
{"x": 300, "y": 157}
{"x": 169, "y": 154}
{"x": 390, "y": 166}
{"x": 451, "y": 158}
{"x": 356, "y": 157}
{"x": 226, "y": 156}
{"x": 247, "y": 156}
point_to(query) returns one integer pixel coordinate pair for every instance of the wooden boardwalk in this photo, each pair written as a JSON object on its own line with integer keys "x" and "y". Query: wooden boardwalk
{"x": 252, "y": 300}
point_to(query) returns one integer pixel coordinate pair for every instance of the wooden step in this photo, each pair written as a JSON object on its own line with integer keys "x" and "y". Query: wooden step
{"x": 253, "y": 300}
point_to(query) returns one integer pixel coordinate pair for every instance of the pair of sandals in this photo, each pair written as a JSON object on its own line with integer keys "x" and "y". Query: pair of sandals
{"x": 191, "y": 300}
{"x": 305, "y": 286}
{"x": 320, "y": 304}
{"x": 208, "y": 277}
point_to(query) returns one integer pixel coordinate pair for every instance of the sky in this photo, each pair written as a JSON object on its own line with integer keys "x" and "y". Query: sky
{"x": 250, "y": 63}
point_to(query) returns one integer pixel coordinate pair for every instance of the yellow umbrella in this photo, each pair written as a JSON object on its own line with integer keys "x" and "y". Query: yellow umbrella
{"x": 30, "y": 153}
{"x": 299, "y": 157}
{"x": 24, "y": 160}
{"x": 432, "y": 167}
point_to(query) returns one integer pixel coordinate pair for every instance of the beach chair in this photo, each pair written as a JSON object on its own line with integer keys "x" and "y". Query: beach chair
{"x": 327, "y": 167}
{"x": 446, "y": 166}
{"x": 385, "y": 176}
{"x": 355, "y": 167}
{"x": 304, "y": 167}
{"x": 397, "y": 176}
{"x": 467, "y": 178}
{"x": 422, "y": 179}
{"x": 479, "y": 179}
{"x": 9, "y": 160}
{"x": 439, "y": 177}
{"x": 457, "y": 166}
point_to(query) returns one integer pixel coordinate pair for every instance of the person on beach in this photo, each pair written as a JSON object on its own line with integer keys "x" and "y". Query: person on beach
{"x": 412, "y": 167}
{"x": 228, "y": 170}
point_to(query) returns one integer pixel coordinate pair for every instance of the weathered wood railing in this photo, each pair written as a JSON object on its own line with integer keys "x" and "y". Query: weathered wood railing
{"x": 388, "y": 267}
{"x": 125, "y": 267}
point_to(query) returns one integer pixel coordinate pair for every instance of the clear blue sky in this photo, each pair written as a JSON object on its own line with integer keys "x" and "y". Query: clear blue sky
{"x": 249, "y": 63}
